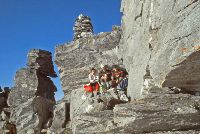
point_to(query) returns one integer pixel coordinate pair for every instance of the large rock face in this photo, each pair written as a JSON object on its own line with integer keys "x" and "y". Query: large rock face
{"x": 158, "y": 112}
{"x": 162, "y": 36}
{"x": 75, "y": 59}
{"x": 161, "y": 112}
{"x": 25, "y": 86}
{"x": 34, "y": 80}
{"x": 159, "y": 47}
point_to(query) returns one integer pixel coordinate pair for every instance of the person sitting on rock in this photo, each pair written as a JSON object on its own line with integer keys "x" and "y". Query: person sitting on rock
{"x": 120, "y": 82}
{"x": 93, "y": 78}
{"x": 123, "y": 83}
{"x": 105, "y": 77}
{"x": 93, "y": 85}
{"x": 116, "y": 76}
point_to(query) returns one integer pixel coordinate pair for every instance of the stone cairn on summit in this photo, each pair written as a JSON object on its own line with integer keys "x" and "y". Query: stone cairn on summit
{"x": 83, "y": 27}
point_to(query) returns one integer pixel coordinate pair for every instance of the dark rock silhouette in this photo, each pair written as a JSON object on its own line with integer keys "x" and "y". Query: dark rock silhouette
{"x": 44, "y": 109}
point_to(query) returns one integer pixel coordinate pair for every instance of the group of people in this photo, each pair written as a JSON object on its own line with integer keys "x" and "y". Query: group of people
{"x": 107, "y": 78}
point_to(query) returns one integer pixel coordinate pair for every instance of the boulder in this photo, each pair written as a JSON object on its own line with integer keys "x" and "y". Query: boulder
{"x": 61, "y": 116}
{"x": 96, "y": 122}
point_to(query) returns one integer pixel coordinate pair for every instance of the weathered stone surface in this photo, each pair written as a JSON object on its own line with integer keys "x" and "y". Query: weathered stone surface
{"x": 25, "y": 86}
{"x": 178, "y": 132}
{"x": 41, "y": 61}
{"x": 61, "y": 116}
{"x": 83, "y": 27}
{"x": 75, "y": 59}
{"x": 163, "y": 35}
{"x": 22, "y": 117}
{"x": 93, "y": 122}
{"x": 31, "y": 81}
{"x": 159, "y": 47}
{"x": 89, "y": 111}
{"x": 166, "y": 112}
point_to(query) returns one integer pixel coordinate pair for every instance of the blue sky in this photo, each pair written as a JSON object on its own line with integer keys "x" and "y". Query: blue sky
{"x": 43, "y": 24}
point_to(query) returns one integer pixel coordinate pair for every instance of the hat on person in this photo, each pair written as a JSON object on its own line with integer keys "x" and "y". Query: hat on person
{"x": 102, "y": 65}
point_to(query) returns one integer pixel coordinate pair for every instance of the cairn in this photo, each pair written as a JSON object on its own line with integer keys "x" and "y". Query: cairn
{"x": 83, "y": 27}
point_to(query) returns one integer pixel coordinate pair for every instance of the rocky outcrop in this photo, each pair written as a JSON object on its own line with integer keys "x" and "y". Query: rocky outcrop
{"x": 74, "y": 59}
{"x": 160, "y": 112}
{"x": 96, "y": 122}
{"x": 31, "y": 84}
{"x": 163, "y": 36}
{"x": 61, "y": 118}
{"x": 157, "y": 43}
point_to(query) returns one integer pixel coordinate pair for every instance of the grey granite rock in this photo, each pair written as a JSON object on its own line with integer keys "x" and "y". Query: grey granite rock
{"x": 159, "y": 46}
{"x": 25, "y": 86}
{"x": 75, "y": 59}
{"x": 22, "y": 117}
{"x": 30, "y": 82}
{"x": 61, "y": 116}
{"x": 163, "y": 35}
{"x": 93, "y": 123}
{"x": 160, "y": 112}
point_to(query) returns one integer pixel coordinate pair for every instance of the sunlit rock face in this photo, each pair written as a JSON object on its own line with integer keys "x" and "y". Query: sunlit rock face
{"x": 82, "y": 27}
{"x": 75, "y": 59}
{"x": 163, "y": 36}
{"x": 34, "y": 80}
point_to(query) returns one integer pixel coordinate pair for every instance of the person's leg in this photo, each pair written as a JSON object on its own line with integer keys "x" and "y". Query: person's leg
{"x": 95, "y": 93}
{"x": 84, "y": 96}
{"x": 96, "y": 89}
{"x": 107, "y": 85}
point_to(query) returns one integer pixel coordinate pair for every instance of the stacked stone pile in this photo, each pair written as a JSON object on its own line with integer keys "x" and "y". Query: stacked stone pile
{"x": 83, "y": 27}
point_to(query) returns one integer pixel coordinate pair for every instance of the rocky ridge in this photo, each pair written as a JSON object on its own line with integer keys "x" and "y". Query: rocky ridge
{"x": 30, "y": 85}
{"x": 157, "y": 43}
{"x": 75, "y": 59}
